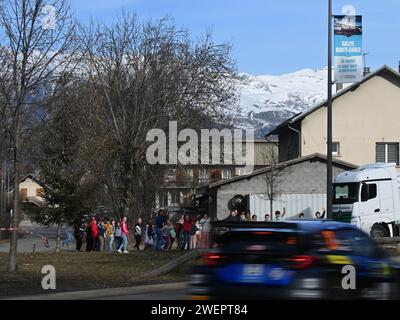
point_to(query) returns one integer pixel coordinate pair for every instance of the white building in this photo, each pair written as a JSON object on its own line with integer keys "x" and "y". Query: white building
{"x": 30, "y": 190}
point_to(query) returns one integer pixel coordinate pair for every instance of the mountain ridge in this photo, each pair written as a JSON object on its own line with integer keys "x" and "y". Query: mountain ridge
{"x": 268, "y": 100}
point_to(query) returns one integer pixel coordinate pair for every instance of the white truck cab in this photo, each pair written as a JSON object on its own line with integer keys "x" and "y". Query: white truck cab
{"x": 369, "y": 197}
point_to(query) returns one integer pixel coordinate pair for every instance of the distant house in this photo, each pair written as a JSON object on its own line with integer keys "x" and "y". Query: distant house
{"x": 365, "y": 123}
{"x": 30, "y": 190}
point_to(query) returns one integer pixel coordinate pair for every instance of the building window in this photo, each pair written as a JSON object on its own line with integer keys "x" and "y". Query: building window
{"x": 336, "y": 148}
{"x": 23, "y": 194}
{"x": 189, "y": 173}
{"x": 240, "y": 171}
{"x": 226, "y": 174}
{"x": 204, "y": 176}
{"x": 39, "y": 192}
{"x": 215, "y": 175}
{"x": 387, "y": 152}
{"x": 170, "y": 176}
{"x": 176, "y": 198}
{"x": 368, "y": 192}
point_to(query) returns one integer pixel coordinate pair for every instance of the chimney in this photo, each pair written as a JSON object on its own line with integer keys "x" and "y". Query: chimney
{"x": 399, "y": 66}
{"x": 367, "y": 71}
{"x": 339, "y": 86}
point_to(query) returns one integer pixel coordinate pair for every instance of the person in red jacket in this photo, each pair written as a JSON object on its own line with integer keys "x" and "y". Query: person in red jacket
{"x": 124, "y": 236}
{"x": 94, "y": 232}
{"x": 187, "y": 229}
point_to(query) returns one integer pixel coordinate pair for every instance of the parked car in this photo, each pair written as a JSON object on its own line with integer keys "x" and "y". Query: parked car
{"x": 297, "y": 259}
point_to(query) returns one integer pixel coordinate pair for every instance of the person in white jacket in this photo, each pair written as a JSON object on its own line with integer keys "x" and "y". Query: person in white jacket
{"x": 138, "y": 233}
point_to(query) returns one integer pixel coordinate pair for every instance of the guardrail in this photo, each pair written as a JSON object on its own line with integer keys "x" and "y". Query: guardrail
{"x": 388, "y": 240}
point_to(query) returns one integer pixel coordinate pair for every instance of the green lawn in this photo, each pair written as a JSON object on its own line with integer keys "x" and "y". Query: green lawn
{"x": 85, "y": 271}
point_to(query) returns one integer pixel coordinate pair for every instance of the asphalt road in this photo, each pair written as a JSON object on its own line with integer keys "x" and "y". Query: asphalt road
{"x": 166, "y": 295}
{"x": 156, "y": 292}
{"x": 27, "y": 242}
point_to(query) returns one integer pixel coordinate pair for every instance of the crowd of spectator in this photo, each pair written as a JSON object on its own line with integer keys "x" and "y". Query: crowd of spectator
{"x": 160, "y": 233}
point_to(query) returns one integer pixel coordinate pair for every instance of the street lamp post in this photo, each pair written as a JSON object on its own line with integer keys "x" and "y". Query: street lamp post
{"x": 329, "y": 118}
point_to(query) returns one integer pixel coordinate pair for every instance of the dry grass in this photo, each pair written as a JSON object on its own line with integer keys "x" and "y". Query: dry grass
{"x": 85, "y": 271}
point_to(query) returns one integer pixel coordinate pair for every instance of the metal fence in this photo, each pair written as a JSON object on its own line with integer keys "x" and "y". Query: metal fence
{"x": 293, "y": 203}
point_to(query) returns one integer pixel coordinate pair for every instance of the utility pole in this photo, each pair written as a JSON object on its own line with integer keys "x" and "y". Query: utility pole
{"x": 329, "y": 119}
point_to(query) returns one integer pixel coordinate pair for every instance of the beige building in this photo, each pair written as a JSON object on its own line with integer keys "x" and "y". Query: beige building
{"x": 183, "y": 184}
{"x": 366, "y": 123}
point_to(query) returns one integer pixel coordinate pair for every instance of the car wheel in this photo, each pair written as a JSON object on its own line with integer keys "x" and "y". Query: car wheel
{"x": 379, "y": 231}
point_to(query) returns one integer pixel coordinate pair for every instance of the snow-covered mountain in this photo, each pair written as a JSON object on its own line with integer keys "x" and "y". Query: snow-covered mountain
{"x": 266, "y": 100}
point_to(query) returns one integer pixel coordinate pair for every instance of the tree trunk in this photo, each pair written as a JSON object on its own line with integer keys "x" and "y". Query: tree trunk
{"x": 12, "y": 263}
{"x": 58, "y": 241}
{"x": 271, "y": 198}
{"x": 271, "y": 204}
{"x": 2, "y": 201}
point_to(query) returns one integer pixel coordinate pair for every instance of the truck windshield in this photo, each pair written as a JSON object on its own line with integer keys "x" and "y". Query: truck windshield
{"x": 345, "y": 193}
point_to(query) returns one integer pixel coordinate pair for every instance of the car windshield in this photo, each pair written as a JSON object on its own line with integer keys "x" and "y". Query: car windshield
{"x": 261, "y": 241}
{"x": 345, "y": 193}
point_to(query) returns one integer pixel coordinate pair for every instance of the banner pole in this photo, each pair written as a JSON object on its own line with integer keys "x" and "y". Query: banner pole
{"x": 329, "y": 118}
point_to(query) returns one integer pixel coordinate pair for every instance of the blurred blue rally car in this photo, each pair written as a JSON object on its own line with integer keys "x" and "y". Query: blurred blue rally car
{"x": 293, "y": 259}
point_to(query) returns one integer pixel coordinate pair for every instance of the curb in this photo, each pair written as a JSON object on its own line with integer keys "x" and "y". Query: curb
{"x": 168, "y": 267}
{"x": 105, "y": 293}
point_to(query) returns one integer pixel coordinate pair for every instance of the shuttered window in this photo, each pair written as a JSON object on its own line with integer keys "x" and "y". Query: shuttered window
{"x": 336, "y": 148}
{"x": 23, "y": 193}
{"x": 39, "y": 192}
{"x": 387, "y": 152}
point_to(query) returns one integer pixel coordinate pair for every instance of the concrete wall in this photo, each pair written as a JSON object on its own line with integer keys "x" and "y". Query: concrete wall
{"x": 293, "y": 203}
{"x": 361, "y": 118}
{"x": 308, "y": 177}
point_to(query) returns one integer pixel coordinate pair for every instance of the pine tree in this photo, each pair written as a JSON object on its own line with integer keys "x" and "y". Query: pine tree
{"x": 67, "y": 186}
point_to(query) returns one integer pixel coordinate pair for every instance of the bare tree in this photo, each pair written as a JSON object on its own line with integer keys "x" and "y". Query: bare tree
{"x": 140, "y": 75}
{"x": 274, "y": 176}
{"x": 38, "y": 41}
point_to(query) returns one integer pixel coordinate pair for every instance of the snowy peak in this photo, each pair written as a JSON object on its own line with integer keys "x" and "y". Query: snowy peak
{"x": 267, "y": 100}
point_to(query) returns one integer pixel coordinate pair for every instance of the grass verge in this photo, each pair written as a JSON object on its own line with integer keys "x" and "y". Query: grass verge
{"x": 86, "y": 271}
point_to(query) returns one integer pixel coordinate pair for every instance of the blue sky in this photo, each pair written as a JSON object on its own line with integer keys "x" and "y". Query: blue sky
{"x": 268, "y": 36}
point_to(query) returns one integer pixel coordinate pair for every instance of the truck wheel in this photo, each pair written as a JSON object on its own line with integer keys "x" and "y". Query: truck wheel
{"x": 379, "y": 231}
{"x": 396, "y": 230}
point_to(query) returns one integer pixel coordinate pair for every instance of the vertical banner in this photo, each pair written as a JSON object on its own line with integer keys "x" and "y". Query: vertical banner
{"x": 348, "y": 49}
